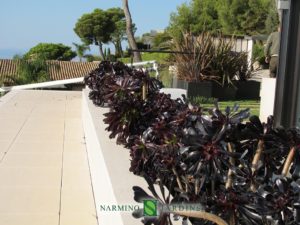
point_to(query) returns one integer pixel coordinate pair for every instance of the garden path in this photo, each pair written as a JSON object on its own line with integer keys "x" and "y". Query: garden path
{"x": 44, "y": 168}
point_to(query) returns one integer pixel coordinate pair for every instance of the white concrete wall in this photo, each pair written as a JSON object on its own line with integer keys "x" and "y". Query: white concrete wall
{"x": 109, "y": 163}
{"x": 103, "y": 190}
{"x": 174, "y": 92}
{"x": 267, "y": 96}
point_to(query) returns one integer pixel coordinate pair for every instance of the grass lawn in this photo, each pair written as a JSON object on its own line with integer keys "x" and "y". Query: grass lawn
{"x": 254, "y": 105}
{"x": 146, "y": 56}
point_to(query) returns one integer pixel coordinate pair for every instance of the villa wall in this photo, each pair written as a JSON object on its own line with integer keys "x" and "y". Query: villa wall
{"x": 109, "y": 162}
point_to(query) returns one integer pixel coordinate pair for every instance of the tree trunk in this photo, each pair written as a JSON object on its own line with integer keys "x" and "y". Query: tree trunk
{"x": 120, "y": 48}
{"x": 101, "y": 51}
{"x": 131, "y": 41}
{"x": 117, "y": 50}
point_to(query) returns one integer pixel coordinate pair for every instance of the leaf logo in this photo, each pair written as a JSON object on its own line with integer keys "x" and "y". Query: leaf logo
{"x": 150, "y": 208}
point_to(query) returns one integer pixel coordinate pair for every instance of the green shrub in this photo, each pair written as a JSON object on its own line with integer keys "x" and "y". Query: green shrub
{"x": 199, "y": 100}
{"x": 161, "y": 58}
{"x": 165, "y": 77}
{"x": 258, "y": 53}
{"x": 33, "y": 71}
{"x": 162, "y": 41}
{"x": 91, "y": 58}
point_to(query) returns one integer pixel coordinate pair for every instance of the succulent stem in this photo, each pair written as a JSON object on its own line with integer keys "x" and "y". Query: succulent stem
{"x": 232, "y": 219}
{"x": 177, "y": 179}
{"x": 256, "y": 158}
{"x": 202, "y": 215}
{"x": 144, "y": 91}
{"x": 197, "y": 184}
{"x": 288, "y": 162}
{"x": 230, "y": 172}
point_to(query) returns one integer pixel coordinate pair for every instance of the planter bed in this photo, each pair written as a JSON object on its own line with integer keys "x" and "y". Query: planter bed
{"x": 210, "y": 89}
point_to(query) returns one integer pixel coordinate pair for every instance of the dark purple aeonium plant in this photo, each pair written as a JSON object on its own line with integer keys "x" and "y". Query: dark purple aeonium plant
{"x": 239, "y": 172}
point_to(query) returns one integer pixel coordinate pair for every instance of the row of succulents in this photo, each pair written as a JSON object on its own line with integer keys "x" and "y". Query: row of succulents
{"x": 239, "y": 170}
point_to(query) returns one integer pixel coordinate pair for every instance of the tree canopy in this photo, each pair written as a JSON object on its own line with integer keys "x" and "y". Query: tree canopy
{"x": 101, "y": 27}
{"x": 181, "y": 21}
{"x": 162, "y": 40}
{"x": 119, "y": 33}
{"x": 244, "y": 17}
{"x": 50, "y": 51}
{"x": 95, "y": 28}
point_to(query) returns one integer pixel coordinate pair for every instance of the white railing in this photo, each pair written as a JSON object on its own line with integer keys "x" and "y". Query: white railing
{"x": 59, "y": 83}
{"x": 55, "y": 83}
{"x": 153, "y": 62}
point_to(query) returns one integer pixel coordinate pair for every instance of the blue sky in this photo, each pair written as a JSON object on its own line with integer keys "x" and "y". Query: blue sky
{"x": 25, "y": 23}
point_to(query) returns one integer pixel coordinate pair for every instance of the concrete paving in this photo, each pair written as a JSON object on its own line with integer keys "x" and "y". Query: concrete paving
{"x": 259, "y": 74}
{"x": 44, "y": 168}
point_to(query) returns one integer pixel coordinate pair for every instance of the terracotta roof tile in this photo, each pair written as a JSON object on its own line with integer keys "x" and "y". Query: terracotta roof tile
{"x": 64, "y": 70}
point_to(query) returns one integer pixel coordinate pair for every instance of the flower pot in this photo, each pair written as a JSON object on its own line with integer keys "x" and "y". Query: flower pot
{"x": 209, "y": 89}
{"x": 248, "y": 90}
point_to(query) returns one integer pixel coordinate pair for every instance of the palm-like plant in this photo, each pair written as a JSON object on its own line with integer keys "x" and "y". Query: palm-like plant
{"x": 35, "y": 70}
{"x": 81, "y": 49}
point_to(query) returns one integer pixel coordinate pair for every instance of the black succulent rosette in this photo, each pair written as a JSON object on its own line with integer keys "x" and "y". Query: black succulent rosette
{"x": 119, "y": 87}
{"x": 101, "y": 80}
{"x": 96, "y": 81}
{"x": 237, "y": 206}
{"x": 153, "y": 160}
{"x": 281, "y": 200}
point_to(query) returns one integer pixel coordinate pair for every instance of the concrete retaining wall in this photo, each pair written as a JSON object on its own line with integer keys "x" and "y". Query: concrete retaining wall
{"x": 267, "y": 96}
{"x": 112, "y": 182}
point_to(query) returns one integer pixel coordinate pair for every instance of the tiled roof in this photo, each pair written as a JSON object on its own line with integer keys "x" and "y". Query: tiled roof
{"x": 8, "y": 69}
{"x": 64, "y": 70}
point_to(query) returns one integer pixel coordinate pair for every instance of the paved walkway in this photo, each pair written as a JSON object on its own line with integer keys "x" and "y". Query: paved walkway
{"x": 259, "y": 74}
{"x": 44, "y": 170}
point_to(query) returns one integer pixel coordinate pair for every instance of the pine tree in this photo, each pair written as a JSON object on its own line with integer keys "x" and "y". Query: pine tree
{"x": 272, "y": 20}
{"x": 245, "y": 17}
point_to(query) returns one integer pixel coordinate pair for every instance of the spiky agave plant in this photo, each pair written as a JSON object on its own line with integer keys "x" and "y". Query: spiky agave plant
{"x": 209, "y": 58}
